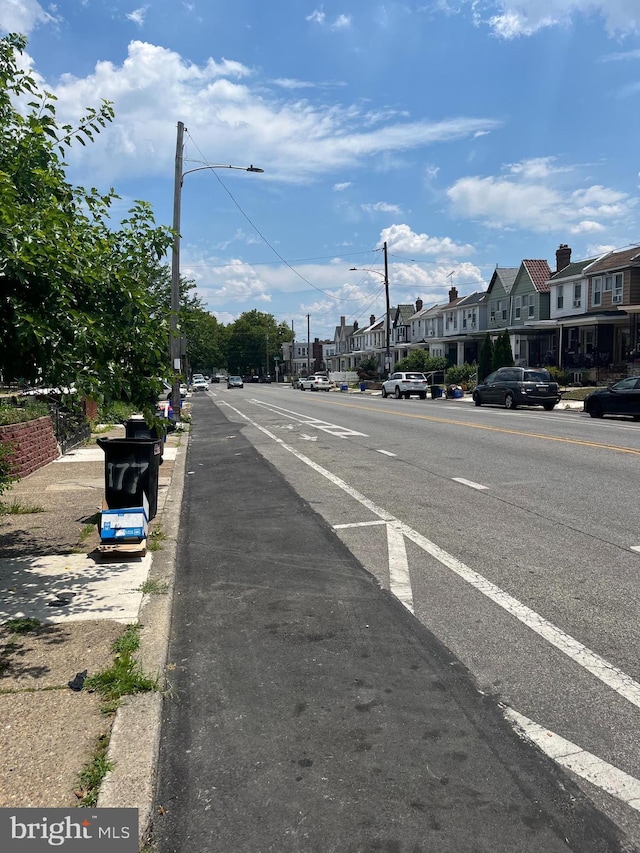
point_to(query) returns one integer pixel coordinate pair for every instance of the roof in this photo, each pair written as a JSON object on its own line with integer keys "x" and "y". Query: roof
{"x": 573, "y": 270}
{"x": 539, "y": 273}
{"x": 472, "y": 299}
{"x": 616, "y": 260}
{"x": 405, "y": 313}
{"x": 506, "y": 276}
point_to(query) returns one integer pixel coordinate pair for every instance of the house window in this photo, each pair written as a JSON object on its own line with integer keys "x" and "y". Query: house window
{"x": 532, "y": 306}
{"x": 596, "y": 296}
{"x": 560, "y": 297}
{"x": 577, "y": 295}
{"x": 608, "y": 282}
{"x": 518, "y": 306}
{"x": 617, "y": 287}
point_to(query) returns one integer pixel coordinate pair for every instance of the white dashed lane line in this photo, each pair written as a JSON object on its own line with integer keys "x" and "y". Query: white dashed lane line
{"x": 469, "y": 483}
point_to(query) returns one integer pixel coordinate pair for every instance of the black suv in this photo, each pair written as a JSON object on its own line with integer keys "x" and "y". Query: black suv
{"x": 518, "y": 386}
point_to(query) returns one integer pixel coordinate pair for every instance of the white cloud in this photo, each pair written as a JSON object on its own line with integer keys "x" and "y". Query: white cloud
{"x": 316, "y": 17}
{"x": 341, "y": 186}
{"x": 22, "y": 16}
{"x": 381, "y": 207}
{"x": 342, "y": 22}
{"x": 138, "y": 15}
{"x": 400, "y": 238}
{"x": 534, "y": 195}
{"x": 514, "y": 18}
{"x": 225, "y": 111}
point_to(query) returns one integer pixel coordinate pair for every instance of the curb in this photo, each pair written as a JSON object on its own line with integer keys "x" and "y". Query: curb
{"x": 135, "y": 734}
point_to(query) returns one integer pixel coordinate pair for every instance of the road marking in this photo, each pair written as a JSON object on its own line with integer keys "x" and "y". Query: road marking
{"x": 469, "y": 483}
{"x": 585, "y": 764}
{"x": 386, "y": 452}
{"x": 399, "y": 579}
{"x": 359, "y": 524}
{"x": 635, "y": 547}
{"x": 333, "y": 429}
{"x": 306, "y": 437}
{"x": 580, "y": 654}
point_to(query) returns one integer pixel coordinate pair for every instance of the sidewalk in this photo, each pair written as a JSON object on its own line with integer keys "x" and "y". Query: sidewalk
{"x": 50, "y": 571}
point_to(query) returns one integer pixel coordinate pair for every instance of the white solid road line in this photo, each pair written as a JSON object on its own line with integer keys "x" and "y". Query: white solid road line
{"x": 469, "y": 483}
{"x": 399, "y": 580}
{"x": 386, "y": 452}
{"x": 585, "y": 764}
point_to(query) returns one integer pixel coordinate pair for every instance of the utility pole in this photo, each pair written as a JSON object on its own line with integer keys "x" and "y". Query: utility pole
{"x": 267, "y": 373}
{"x": 174, "y": 341}
{"x": 387, "y": 365}
{"x": 308, "y": 346}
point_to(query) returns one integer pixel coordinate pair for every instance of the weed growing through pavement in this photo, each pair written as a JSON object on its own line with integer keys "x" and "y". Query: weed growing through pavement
{"x": 18, "y": 507}
{"x": 156, "y": 538}
{"x": 91, "y": 776}
{"x": 153, "y": 587}
{"x": 124, "y": 677}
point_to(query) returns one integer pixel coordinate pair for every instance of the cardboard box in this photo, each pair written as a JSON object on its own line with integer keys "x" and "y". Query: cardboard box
{"x": 130, "y": 524}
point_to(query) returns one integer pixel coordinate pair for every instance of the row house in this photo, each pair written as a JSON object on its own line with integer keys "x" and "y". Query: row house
{"x": 583, "y": 316}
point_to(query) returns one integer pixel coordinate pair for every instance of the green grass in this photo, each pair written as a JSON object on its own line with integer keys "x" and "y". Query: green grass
{"x": 153, "y": 587}
{"x": 156, "y": 538}
{"x": 576, "y": 393}
{"x": 91, "y": 776}
{"x": 124, "y": 677}
{"x": 22, "y": 625}
{"x": 18, "y": 507}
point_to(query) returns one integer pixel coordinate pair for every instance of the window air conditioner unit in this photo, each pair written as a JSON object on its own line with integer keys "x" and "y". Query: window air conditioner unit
{"x": 431, "y": 333}
{"x": 577, "y": 303}
{"x": 617, "y": 297}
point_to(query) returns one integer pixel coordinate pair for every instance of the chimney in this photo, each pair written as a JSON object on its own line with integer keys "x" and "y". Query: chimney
{"x": 453, "y": 294}
{"x": 372, "y": 319}
{"x": 418, "y": 304}
{"x": 355, "y": 325}
{"x": 563, "y": 257}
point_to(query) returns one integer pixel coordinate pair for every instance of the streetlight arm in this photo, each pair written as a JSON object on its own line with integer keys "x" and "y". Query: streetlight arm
{"x": 222, "y": 166}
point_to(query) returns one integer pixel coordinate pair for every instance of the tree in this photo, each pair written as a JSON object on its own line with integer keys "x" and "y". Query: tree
{"x": 502, "y": 352}
{"x": 420, "y": 360}
{"x": 485, "y": 363}
{"x": 78, "y": 305}
{"x": 368, "y": 368}
{"x": 253, "y": 339}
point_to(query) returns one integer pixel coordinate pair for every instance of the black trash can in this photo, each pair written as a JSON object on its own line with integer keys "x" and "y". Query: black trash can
{"x": 139, "y": 428}
{"x": 131, "y": 469}
{"x": 436, "y": 392}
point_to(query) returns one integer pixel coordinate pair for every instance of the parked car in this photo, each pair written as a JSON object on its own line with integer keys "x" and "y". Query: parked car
{"x": 200, "y": 384}
{"x": 315, "y": 383}
{"x": 622, "y": 398}
{"x": 167, "y": 390}
{"x": 235, "y": 382}
{"x": 405, "y": 384}
{"x": 518, "y": 386}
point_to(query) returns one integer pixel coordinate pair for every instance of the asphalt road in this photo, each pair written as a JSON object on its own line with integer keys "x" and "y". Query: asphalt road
{"x": 506, "y": 537}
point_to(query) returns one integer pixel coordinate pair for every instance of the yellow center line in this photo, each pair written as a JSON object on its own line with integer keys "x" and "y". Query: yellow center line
{"x": 541, "y": 436}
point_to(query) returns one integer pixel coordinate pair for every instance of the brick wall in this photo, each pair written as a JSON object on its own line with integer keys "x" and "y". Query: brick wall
{"x": 35, "y": 445}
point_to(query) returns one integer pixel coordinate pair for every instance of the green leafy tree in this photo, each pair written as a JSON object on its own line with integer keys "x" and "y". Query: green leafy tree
{"x": 502, "y": 352}
{"x": 485, "y": 363}
{"x": 420, "y": 360}
{"x": 253, "y": 339}
{"x": 78, "y": 305}
{"x": 368, "y": 368}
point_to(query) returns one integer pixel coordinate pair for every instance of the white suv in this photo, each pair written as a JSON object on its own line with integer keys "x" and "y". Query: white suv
{"x": 405, "y": 384}
{"x": 315, "y": 383}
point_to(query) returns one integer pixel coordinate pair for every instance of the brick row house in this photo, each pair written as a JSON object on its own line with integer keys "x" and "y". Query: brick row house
{"x": 584, "y": 316}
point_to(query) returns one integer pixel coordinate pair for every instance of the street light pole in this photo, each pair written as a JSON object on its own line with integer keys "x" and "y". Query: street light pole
{"x": 175, "y": 339}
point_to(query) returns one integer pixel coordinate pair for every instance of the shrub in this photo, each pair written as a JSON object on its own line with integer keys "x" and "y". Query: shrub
{"x": 6, "y": 465}
{"x": 18, "y": 411}
{"x": 562, "y": 377}
{"x": 368, "y": 368}
{"x": 461, "y": 374}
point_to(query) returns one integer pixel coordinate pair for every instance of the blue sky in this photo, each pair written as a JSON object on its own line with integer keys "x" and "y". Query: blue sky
{"x": 464, "y": 133}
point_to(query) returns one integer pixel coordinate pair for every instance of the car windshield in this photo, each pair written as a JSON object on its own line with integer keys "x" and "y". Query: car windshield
{"x": 537, "y": 376}
{"x": 415, "y": 376}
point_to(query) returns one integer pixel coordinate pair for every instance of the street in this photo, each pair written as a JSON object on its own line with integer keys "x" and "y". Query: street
{"x": 503, "y": 533}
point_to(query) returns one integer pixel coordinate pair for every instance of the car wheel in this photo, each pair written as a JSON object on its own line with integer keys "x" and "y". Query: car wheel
{"x": 384, "y": 392}
{"x": 596, "y": 410}
{"x": 398, "y": 393}
{"x": 509, "y": 401}
{"x": 548, "y": 407}
{"x": 477, "y": 400}
{"x": 302, "y": 387}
